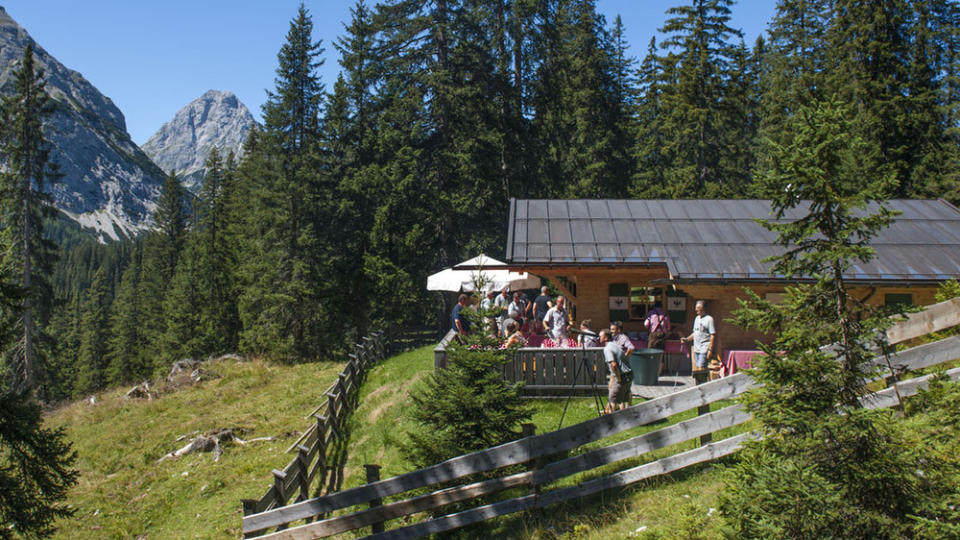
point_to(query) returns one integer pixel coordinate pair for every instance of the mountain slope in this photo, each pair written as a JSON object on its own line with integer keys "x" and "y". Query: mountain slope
{"x": 215, "y": 119}
{"x": 108, "y": 183}
{"x": 125, "y": 491}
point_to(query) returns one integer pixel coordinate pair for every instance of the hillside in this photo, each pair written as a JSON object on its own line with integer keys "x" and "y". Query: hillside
{"x": 678, "y": 506}
{"x": 124, "y": 492}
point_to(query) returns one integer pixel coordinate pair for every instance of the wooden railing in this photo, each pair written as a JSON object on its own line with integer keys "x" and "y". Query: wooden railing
{"x": 321, "y": 450}
{"x": 365, "y": 501}
{"x": 556, "y": 371}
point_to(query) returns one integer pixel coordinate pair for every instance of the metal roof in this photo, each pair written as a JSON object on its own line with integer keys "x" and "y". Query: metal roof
{"x": 717, "y": 239}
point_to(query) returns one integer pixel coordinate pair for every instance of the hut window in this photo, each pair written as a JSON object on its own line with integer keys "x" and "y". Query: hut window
{"x": 902, "y": 299}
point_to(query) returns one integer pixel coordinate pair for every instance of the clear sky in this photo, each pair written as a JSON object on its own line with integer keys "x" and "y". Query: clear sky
{"x": 152, "y": 58}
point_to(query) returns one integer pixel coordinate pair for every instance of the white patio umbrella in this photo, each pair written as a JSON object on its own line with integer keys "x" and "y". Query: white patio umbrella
{"x": 491, "y": 272}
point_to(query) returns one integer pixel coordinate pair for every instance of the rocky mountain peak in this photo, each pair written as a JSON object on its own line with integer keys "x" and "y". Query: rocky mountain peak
{"x": 217, "y": 119}
{"x": 108, "y": 183}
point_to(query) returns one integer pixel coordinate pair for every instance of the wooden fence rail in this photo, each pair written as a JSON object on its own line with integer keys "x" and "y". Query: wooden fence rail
{"x": 312, "y": 463}
{"x": 528, "y": 449}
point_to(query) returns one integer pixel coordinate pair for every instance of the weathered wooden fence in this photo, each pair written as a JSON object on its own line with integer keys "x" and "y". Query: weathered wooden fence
{"x": 321, "y": 446}
{"x": 367, "y": 509}
{"x": 556, "y": 371}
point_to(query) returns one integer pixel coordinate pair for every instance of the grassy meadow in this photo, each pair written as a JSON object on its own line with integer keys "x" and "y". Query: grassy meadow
{"x": 124, "y": 492}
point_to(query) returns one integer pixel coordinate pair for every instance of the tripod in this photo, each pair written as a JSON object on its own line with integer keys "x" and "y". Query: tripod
{"x": 582, "y": 364}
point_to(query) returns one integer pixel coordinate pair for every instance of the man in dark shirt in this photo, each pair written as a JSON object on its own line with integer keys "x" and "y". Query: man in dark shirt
{"x": 540, "y": 307}
{"x": 458, "y": 321}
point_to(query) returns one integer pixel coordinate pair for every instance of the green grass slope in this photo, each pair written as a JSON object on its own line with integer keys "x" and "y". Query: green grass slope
{"x": 676, "y": 506}
{"x": 124, "y": 492}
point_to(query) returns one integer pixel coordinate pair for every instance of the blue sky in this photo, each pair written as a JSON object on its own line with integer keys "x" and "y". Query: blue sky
{"x": 152, "y": 58}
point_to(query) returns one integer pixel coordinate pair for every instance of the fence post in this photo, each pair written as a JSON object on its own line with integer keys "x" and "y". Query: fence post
{"x": 373, "y": 475}
{"x": 332, "y": 412}
{"x": 529, "y": 430}
{"x": 701, "y": 377}
{"x": 303, "y": 466}
{"x": 278, "y": 478}
{"x": 321, "y": 451}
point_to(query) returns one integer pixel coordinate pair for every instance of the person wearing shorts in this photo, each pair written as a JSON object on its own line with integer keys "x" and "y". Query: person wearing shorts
{"x": 621, "y": 375}
{"x": 704, "y": 337}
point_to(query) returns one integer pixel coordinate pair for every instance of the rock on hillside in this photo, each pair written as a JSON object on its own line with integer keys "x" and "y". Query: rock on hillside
{"x": 215, "y": 119}
{"x": 108, "y": 183}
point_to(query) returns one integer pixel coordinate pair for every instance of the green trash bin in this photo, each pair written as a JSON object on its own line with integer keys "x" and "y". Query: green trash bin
{"x": 646, "y": 366}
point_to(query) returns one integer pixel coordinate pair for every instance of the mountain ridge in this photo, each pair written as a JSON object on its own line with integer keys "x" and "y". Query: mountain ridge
{"x": 108, "y": 183}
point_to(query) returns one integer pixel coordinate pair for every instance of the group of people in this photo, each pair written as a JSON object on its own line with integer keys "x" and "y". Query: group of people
{"x": 517, "y": 317}
{"x": 515, "y": 312}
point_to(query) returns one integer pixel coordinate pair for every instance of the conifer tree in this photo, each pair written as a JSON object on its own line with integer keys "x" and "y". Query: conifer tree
{"x": 696, "y": 115}
{"x": 825, "y": 467}
{"x": 869, "y": 71}
{"x": 282, "y": 271}
{"x": 162, "y": 250}
{"x": 92, "y": 357}
{"x": 127, "y": 341}
{"x": 466, "y": 406}
{"x": 25, "y": 153}
{"x": 649, "y": 180}
{"x": 795, "y": 63}
{"x": 580, "y": 106}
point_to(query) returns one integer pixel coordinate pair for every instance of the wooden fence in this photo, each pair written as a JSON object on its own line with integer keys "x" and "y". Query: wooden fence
{"x": 558, "y": 371}
{"x": 367, "y": 509}
{"x": 321, "y": 450}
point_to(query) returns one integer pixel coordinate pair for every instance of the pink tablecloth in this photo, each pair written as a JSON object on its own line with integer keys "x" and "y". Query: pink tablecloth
{"x": 735, "y": 361}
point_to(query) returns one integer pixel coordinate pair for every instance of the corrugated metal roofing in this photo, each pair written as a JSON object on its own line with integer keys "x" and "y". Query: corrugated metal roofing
{"x": 718, "y": 239}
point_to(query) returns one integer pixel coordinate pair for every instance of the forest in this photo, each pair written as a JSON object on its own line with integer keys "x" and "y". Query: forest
{"x": 352, "y": 191}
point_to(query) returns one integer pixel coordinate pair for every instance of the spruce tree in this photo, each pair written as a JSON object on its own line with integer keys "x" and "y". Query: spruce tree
{"x": 696, "y": 116}
{"x": 92, "y": 358}
{"x": 649, "y": 180}
{"x": 869, "y": 48}
{"x": 126, "y": 361}
{"x": 162, "y": 251}
{"x": 580, "y": 104}
{"x": 35, "y": 470}
{"x": 825, "y": 466}
{"x": 25, "y": 153}
{"x": 466, "y": 406}
{"x": 282, "y": 270}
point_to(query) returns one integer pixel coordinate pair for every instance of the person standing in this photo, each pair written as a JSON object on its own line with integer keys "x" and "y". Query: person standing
{"x": 517, "y": 308}
{"x": 621, "y": 375}
{"x": 541, "y": 305}
{"x": 621, "y": 339}
{"x": 704, "y": 337}
{"x": 658, "y": 324}
{"x": 587, "y": 338}
{"x": 555, "y": 322}
{"x": 458, "y": 321}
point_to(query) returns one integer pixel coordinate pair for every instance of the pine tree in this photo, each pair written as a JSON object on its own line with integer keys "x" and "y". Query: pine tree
{"x": 126, "y": 361}
{"x": 869, "y": 71}
{"x": 696, "y": 115}
{"x": 92, "y": 359}
{"x": 819, "y": 471}
{"x": 282, "y": 270}
{"x": 25, "y": 153}
{"x": 162, "y": 251}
